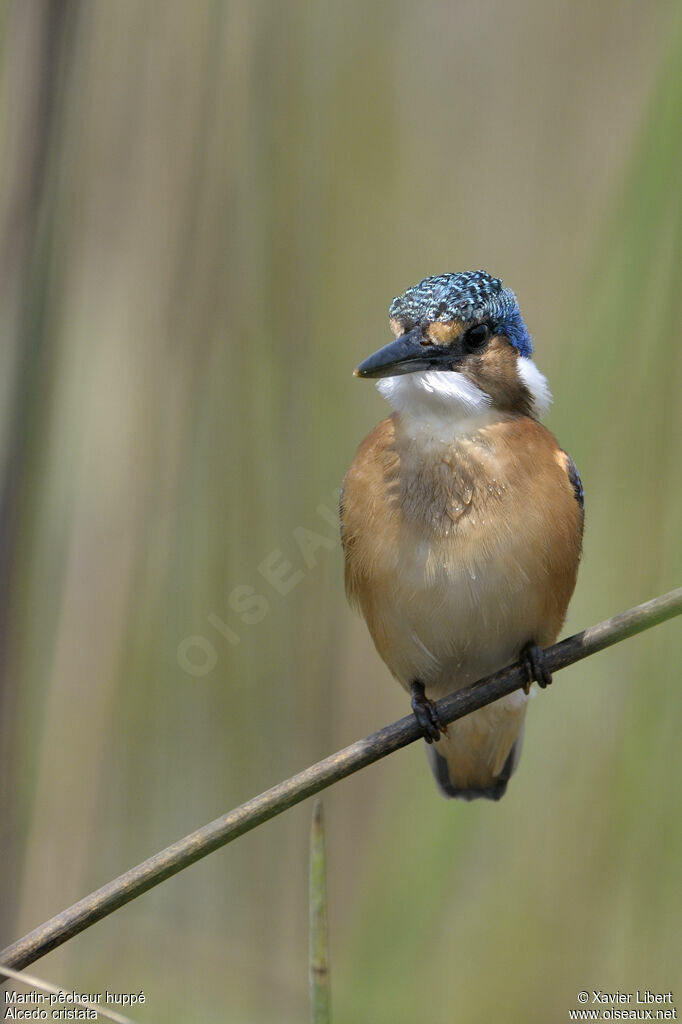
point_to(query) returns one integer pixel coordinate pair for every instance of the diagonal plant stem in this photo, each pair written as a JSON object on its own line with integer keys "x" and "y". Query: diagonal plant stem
{"x": 338, "y": 766}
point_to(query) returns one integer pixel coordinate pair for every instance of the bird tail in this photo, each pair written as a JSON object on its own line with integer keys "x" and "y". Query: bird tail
{"x": 476, "y": 758}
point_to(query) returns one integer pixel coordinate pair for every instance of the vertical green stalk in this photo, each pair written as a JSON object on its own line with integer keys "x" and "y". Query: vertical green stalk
{"x": 320, "y": 995}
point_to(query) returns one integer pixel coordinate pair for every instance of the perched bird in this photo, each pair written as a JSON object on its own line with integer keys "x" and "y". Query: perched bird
{"x": 462, "y": 518}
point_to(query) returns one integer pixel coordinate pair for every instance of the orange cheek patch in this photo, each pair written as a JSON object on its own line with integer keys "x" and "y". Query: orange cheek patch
{"x": 444, "y": 333}
{"x": 396, "y": 326}
{"x": 499, "y": 360}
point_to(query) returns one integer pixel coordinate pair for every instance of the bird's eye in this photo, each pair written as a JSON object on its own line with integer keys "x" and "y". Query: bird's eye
{"x": 476, "y": 337}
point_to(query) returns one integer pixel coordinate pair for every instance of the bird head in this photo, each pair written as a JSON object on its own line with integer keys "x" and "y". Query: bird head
{"x": 463, "y": 342}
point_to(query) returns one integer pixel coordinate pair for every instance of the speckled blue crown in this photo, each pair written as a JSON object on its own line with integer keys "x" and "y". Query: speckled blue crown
{"x": 471, "y": 295}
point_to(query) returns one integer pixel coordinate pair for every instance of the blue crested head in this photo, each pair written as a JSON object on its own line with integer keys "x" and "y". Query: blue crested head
{"x": 471, "y": 296}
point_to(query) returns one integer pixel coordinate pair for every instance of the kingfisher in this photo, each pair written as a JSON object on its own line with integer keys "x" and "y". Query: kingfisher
{"x": 462, "y": 519}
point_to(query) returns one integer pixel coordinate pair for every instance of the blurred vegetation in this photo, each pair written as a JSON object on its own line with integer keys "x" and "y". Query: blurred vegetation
{"x": 204, "y": 211}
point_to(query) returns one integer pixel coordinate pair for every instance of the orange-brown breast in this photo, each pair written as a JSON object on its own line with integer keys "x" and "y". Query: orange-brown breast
{"x": 459, "y": 554}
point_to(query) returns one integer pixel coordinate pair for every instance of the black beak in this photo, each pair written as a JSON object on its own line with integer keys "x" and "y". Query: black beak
{"x": 405, "y": 355}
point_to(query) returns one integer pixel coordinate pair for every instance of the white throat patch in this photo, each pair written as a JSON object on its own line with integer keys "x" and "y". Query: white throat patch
{"x": 440, "y": 404}
{"x": 443, "y": 404}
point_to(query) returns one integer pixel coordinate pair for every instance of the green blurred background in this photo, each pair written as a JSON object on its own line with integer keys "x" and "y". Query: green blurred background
{"x": 205, "y": 210}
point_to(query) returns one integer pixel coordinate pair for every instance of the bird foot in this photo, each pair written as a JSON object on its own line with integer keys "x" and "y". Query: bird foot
{"x": 533, "y": 658}
{"x": 426, "y": 714}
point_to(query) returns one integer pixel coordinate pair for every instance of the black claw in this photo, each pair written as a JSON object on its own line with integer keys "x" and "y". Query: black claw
{"x": 425, "y": 713}
{"x": 536, "y": 665}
